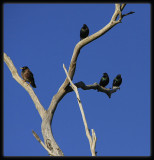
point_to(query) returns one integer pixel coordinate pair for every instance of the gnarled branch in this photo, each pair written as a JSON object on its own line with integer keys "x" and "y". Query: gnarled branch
{"x": 94, "y": 86}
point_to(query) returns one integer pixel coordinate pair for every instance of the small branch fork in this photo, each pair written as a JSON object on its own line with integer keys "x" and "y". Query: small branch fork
{"x": 92, "y": 139}
{"x": 118, "y": 11}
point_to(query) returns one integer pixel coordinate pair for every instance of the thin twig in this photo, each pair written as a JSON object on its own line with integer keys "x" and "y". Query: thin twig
{"x": 44, "y": 146}
{"x": 92, "y": 140}
{"x": 127, "y": 14}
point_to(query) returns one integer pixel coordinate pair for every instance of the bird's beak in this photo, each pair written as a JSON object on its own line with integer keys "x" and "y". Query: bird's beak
{"x": 21, "y": 68}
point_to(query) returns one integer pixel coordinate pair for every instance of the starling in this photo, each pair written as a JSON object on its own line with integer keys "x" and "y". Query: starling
{"x": 104, "y": 80}
{"x": 117, "y": 81}
{"x": 27, "y": 75}
{"x": 84, "y": 32}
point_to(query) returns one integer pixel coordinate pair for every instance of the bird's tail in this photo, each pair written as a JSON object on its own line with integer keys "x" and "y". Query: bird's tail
{"x": 33, "y": 84}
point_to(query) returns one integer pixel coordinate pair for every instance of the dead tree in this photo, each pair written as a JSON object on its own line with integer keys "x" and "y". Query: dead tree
{"x": 47, "y": 115}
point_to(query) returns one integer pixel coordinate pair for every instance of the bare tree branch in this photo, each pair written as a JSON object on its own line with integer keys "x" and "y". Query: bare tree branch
{"x": 122, "y": 6}
{"x": 94, "y": 86}
{"x": 127, "y": 13}
{"x": 29, "y": 89}
{"x": 92, "y": 140}
{"x": 46, "y": 129}
{"x": 62, "y": 90}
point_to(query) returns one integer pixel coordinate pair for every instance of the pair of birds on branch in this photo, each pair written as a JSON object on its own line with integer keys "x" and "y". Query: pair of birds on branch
{"x": 105, "y": 80}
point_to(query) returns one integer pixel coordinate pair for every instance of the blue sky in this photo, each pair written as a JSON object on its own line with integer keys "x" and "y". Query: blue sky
{"x": 43, "y": 37}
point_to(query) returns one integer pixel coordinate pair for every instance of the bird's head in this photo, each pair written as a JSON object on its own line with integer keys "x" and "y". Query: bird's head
{"x": 118, "y": 76}
{"x": 105, "y": 74}
{"x": 24, "y": 68}
{"x": 84, "y": 26}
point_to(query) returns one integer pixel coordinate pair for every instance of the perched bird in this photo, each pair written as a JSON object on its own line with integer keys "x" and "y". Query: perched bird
{"x": 117, "y": 81}
{"x": 27, "y": 75}
{"x": 104, "y": 80}
{"x": 84, "y": 32}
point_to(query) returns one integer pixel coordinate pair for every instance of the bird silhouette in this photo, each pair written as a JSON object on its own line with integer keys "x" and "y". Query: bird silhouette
{"x": 104, "y": 80}
{"x": 117, "y": 81}
{"x": 84, "y": 32}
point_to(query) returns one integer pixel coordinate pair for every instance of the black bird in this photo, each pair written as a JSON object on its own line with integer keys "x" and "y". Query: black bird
{"x": 27, "y": 75}
{"x": 117, "y": 81}
{"x": 104, "y": 80}
{"x": 84, "y": 32}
